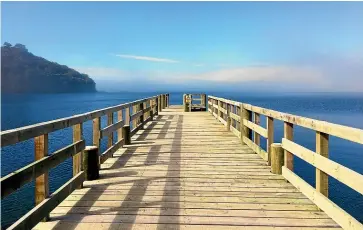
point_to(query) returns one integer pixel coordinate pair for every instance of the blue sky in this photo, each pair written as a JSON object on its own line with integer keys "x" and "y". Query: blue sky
{"x": 303, "y": 46}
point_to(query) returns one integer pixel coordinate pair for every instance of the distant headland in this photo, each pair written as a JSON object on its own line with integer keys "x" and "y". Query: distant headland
{"x": 23, "y": 72}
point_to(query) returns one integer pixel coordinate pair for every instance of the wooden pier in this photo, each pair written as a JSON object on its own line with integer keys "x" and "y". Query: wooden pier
{"x": 185, "y": 170}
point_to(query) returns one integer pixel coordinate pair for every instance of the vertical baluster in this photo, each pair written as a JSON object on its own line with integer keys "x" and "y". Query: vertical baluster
{"x": 256, "y": 136}
{"x": 96, "y": 133}
{"x": 133, "y": 122}
{"x": 119, "y": 131}
{"x": 77, "y": 159}
{"x": 289, "y": 157}
{"x": 322, "y": 148}
{"x": 245, "y": 115}
{"x": 127, "y": 116}
{"x": 270, "y": 136}
{"x": 142, "y": 117}
{"x": 41, "y": 182}
{"x": 228, "y": 117}
{"x": 110, "y": 137}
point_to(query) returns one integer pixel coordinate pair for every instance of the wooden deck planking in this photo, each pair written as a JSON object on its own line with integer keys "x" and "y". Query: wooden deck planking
{"x": 185, "y": 171}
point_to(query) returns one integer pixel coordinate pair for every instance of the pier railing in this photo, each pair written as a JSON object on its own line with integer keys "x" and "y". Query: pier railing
{"x": 142, "y": 110}
{"x": 244, "y": 121}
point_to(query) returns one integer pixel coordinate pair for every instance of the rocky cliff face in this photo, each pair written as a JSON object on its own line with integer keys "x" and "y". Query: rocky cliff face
{"x": 23, "y": 72}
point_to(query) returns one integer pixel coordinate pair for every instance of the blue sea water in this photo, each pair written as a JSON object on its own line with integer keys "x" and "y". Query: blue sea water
{"x": 21, "y": 110}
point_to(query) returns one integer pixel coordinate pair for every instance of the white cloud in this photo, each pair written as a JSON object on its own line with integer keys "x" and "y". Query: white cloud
{"x": 154, "y": 59}
{"x": 336, "y": 74}
{"x": 283, "y": 74}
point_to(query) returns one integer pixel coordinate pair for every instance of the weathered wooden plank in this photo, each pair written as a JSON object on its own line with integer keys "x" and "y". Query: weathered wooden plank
{"x": 29, "y": 220}
{"x": 18, "y": 178}
{"x": 136, "y": 115}
{"x": 344, "y": 132}
{"x": 111, "y": 128}
{"x": 77, "y": 159}
{"x": 41, "y": 181}
{"x": 236, "y": 103}
{"x": 110, "y": 135}
{"x": 270, "y": 136}
{"x": 141, "y": 226}
{"x": 260, "y": 130}
{"x": 256, "y": 135}
{"x": 289, "y": 135}
{"x": 119, "y": 119}
{"x": 111, "y": 150}
{"x": 335, "y": 170}
{"x": 96, "y": 123}
{"x": 322, "y": 148}
{"x": 235, "y": 116}
{"x": 257, "y": 149}
{"x": 336, "y": 213}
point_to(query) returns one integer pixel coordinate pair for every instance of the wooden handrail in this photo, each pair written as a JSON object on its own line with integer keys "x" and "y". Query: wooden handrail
{"x": 319, "y": 159}
{"x": 38, "y": 170}
{"x": 17, "y": 135}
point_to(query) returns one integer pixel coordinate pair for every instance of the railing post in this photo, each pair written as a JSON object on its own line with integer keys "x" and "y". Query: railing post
{"x": 151, "y": 113}
{"x": 110, "y": 137}
{"x": 270, "y": 136}
{"x": 91, "y": 163}
{"x": 127, "y": 116}
{"x": 228, "y": 108}
{"x": 142, "y": 117}
{"x": 159, "y": 103}
{"x": 134, "y": 121}
{"x": 41, "y": 182}
{"x": 162, "y": 102}
{"x": 126, "y": 134}
{"x": 167, "y": 100}
{"x": 322, "y": 148}
{"x": 185, "y": 103}
{"x": 289, "y": 135}
{"x": 203, "y": 100}
{"x": 256, "y": 136}
{"x": 119, "y": 131}
{"x": 277, "y": 158}
{"x": 77, "y": 159}
{"x": 219, "y": 110}
{"x": 96, "y": 132}
{"x": 244, "y": 115}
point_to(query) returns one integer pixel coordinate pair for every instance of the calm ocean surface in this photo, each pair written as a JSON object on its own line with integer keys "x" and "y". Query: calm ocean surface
{"x": 21, "y": 110}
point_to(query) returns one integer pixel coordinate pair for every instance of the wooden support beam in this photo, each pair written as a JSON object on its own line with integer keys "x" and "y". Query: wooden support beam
{"x": 228, "y": 125}
{"x": 96, "y": 131}
{"x": 110, "y": 135}
{"x": 119, "y": 131}
{"x": 151, "y": 112}
{"x": 245, "y": 131}
{"x": 32, "y": 218}
{"x": 289, "y": 135}
{"x": 270, "y": 136}
{"x": 134, "y": 111}
{"x": 256, "y": 136}
{"x": 15, "y": 180}
{"x": 277, "y": 158}
{"x": 159, "y": 103}
{"x": 77, "y": 159}
{"x": 127, "y": 116}
{"x": 322, "y": 148}
{"x": 41, "y": 182}
{"x": 141, "y": 108}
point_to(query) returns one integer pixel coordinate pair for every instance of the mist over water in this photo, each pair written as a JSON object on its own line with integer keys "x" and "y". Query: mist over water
{"x": 20, "y": 110}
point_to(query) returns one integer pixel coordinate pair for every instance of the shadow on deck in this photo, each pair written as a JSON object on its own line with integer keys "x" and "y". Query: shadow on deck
{"x": 184, "y": 170}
